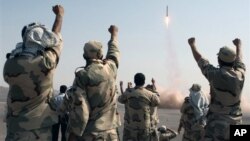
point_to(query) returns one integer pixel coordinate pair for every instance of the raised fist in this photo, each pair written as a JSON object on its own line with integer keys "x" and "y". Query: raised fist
{"x": 113, "y": 29}
{"x": 58, "y": 10}
{"x": 236, "y": 41}
{"x": 191, "y": 41}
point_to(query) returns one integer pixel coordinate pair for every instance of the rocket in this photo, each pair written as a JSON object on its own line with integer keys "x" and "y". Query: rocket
{"x": 167, "y": 18}
{"x": 167, "y": 11}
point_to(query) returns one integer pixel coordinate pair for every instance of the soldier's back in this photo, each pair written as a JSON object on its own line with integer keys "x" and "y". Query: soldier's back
{"x": 30, "y": 88}
{"x": 99, "y": 83}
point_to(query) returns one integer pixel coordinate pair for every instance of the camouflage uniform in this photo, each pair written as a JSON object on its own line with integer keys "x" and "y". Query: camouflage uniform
{"x": 193, "y": 130}
{"x": 166, "y": 134}
{"x": 93, "y": 109}
{"x": 154, "y": 110}
{"x": 226, "y": 84}
{"x": 137, "y": 119}
{"x": 30, "y": 78}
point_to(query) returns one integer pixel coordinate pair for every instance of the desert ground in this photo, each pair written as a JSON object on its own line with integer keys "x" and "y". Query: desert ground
{"x": 167, "y": 117}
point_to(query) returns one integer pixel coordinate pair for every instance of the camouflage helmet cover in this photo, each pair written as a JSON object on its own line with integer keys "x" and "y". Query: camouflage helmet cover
{"x": 227, "y": 54}
{"x": 92, "y": 50}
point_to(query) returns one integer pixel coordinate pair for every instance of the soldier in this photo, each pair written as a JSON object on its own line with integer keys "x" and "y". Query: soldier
{"x": 166, "y": 134}
{"x": 137, "y": 118}
{"x": 199, "y": 102}
{"x": 93, "y": 115}
{"x": 29, "y": 73}
{"x": 162, "y": 133}
{"x": 62, "y": 118}
{"x": 193, "y": 129}
{"x": 226, "y": 84}
{"x": 154, "y": 110}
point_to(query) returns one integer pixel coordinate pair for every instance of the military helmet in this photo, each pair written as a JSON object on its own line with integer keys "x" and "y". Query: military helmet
{"x": 227, "y": 54}
{"x": 92, "y": 49}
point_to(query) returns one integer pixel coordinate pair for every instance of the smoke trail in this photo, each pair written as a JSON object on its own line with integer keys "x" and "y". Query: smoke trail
{"x": 171, "y": 96}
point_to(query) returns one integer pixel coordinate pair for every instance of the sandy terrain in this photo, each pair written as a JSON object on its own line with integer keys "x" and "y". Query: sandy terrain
{"x": 167, "y": 117}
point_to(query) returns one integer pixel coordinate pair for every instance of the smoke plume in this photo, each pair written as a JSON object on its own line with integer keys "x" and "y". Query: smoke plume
{"x": 171, "y": 99}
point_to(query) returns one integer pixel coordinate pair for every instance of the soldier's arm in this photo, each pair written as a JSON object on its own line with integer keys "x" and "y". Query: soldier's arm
{"x": 153, "y": 83}
{"x": 59, "y": 12}
{"x": 52, "y": 53}
{"x": 206, "y": 68}
{"x": 113, "y": 50}
{"x": 121, "y": 87}
{"x": 237, "y": 43}
{"x": 196, "y": 53}
{"x": 238, "y": 62}
{"x": 79, "y": 113}
{"x": 180, "y": 125}
{"x": 122, "y": 98}
{"x": 155, "y": 100}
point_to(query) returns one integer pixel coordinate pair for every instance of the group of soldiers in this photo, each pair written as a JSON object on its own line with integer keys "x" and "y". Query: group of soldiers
{"x": 91, "y": 102}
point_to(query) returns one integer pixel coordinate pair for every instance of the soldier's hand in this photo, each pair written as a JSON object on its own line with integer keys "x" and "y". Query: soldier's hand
{"x": 58, "y": 10}
{"x": 179, "y": 130}
{"x": 113, "y": 30}
{"x": 121, "y": 83}
{"x": 237, "y": 42}
{"x": 129, "y": 85}
{"x": 191, "y": 41}
{"x": 153, "y": 81}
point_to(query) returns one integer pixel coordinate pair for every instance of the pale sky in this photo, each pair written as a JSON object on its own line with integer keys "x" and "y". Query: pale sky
{"x": 147, "y": 45}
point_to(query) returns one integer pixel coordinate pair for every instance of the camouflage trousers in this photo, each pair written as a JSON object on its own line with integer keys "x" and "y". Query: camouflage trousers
{"x": 43, "y": 134}
{"x": 218, "y": 128}
{"x": 139, "y": 135}
{"x": 108, "y": 135}
{"x": 196, "y": 133}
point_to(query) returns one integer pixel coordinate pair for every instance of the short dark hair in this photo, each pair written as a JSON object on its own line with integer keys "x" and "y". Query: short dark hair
{"x": 222, "y": 63}
{"x": 139, "y": 79}
{"x": 63, "y": 88}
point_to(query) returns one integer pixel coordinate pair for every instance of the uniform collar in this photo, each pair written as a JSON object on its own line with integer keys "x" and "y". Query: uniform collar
{"x": 227, "y": 68}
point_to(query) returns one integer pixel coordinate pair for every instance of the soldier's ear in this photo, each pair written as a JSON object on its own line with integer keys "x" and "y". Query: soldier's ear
{"x": 84, "y": 57}
{"x": 99, "y": 55}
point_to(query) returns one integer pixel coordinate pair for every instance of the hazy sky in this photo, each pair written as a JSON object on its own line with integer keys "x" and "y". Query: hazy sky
{"x": 147, "y": 45}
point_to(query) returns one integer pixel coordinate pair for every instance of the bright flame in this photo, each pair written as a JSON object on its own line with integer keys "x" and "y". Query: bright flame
{"x": 167, "y": 20}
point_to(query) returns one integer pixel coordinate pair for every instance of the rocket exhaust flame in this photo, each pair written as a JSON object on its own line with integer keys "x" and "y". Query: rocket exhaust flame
{"x": 167, "y": 21}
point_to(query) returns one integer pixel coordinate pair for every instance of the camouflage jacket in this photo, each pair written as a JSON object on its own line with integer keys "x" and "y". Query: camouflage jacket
{"x": 154, "y": 116}
{"x": 93, "y": 95}
{"x": 187, "y": 115}
{"x": 225, "y": 87}
{"x": 30, "y": 82}
{"x": 138, "y": 107}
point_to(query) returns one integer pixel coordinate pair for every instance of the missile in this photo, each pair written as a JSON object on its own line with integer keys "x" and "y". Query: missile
{"x": 167, "y": 11}
{"x": 167, "y": 18}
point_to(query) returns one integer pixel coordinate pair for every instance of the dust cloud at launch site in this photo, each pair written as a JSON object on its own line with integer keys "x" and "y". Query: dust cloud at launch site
{"x": 170, "y": 98}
